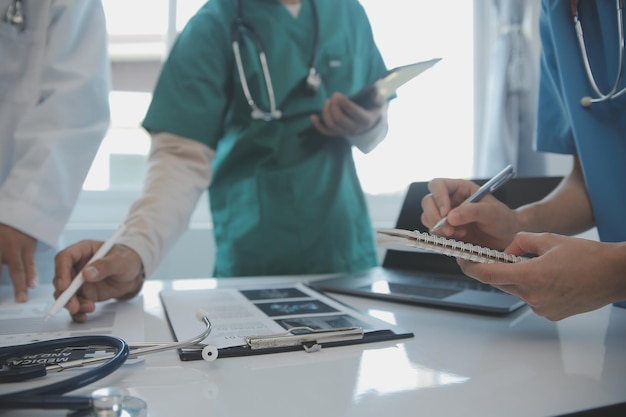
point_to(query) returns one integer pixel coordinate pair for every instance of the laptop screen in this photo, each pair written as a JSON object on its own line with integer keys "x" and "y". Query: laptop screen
{"x": 515, "y": 193}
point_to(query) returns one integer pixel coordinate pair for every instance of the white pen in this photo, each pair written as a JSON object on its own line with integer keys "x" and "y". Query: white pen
{"x": 79, "y": 280}
{"x": 489, "y": 187}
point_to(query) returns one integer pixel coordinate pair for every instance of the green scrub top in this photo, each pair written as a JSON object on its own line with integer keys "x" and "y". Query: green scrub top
{"x": 281, "y": 202}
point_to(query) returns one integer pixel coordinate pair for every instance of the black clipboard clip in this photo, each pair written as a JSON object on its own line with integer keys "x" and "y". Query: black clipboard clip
{"x": 310, "y": 339}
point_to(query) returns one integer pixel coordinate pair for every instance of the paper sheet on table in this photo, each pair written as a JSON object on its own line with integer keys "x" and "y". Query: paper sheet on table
{"x": 24, "y": 322}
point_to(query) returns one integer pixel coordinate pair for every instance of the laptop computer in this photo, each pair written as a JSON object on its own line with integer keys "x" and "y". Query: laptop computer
{"x": 432, "y": 279}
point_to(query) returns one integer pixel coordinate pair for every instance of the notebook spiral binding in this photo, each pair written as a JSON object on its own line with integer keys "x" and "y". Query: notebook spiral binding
{"x": 458, "y": 249}
{"x": 410, "y": 240}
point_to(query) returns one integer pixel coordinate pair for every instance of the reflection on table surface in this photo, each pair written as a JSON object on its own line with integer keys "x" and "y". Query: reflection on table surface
{"x": 457, "y": 364}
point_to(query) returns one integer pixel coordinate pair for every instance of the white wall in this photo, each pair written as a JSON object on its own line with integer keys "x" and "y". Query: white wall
{"x": 486, "y": 24}
{"x": 98, "y": 215}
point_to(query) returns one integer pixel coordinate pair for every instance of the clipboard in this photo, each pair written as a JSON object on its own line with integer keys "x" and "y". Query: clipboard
{"x": 385, "y": 86}
{"x": 256, "y": 320}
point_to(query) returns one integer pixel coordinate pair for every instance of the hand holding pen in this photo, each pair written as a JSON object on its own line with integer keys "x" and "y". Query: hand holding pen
{"x": 100, "y": 270}
{"x": 489, "y": 187}
{"x": 78, "y": 281}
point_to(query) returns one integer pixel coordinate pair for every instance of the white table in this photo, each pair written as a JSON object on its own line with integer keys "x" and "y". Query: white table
{"x": 458, "y": 364}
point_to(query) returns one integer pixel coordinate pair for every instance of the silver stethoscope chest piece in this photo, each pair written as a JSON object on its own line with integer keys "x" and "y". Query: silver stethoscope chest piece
{"x": 615, "y": 91}
{"x": 113, "y": 402}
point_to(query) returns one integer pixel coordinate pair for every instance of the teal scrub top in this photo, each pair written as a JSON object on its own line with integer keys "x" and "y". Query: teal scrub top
{"x": 597, "y": 135}
{"x": 281, "y": 202}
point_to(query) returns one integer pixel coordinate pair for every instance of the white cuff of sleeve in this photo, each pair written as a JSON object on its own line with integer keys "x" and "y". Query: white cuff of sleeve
{"x": 179, "y": 170}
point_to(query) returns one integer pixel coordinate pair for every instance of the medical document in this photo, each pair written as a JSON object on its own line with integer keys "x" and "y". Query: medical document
{"x": 238, "y": 313}
{"x": 24, "y": 322}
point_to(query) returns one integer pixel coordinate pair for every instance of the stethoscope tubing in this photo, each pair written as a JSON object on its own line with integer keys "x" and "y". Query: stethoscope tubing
{"x": 313, "y": 80}
{"x": 51, "y": 396}
{"x": 615, "y": 92}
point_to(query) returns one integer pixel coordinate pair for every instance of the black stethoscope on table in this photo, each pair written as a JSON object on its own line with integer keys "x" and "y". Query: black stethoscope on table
{"x": 313, "y": 79}
{"x": 50, "y": 396}
{"x": 614, "y": 93}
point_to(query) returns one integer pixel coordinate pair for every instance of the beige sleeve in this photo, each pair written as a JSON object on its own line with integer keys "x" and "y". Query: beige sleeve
{"x": 370, "y": 139}
{"x": 178, "y": 172}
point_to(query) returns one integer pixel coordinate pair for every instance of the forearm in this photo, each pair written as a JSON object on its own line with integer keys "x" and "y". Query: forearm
{"x": 616, "y": 264}
{"x": 179, "y": 170}
{"x": 567, "y": 210}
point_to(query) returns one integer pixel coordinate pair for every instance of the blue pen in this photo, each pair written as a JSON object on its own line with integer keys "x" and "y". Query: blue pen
{"x": 489, "y": 187}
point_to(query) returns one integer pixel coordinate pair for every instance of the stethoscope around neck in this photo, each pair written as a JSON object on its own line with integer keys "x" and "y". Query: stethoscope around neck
{"x": 615, "y": 92}
{"x": 313, "y": 79}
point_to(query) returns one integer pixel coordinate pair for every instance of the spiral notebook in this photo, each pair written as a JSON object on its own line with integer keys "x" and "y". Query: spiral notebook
{"x": 415, "y": 269}
{"x": 416, "y": 241}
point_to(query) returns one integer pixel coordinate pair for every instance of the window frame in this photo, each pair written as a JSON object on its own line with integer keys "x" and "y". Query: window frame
{"x": 98, "y": 212}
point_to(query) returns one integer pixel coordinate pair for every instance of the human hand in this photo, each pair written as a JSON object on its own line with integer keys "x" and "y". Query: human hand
{"x": 17, "y": 251}
{"x": 569, "y": 276}
{"x": 342, "y": 117}
{"x": 119, "y": 275}
{"x": 487, "y": 222}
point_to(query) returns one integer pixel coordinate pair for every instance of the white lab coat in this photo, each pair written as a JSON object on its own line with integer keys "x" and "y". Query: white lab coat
{"x": 54, "y": 86}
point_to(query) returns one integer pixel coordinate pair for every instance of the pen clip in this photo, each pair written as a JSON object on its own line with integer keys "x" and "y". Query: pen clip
{"x": 310, "y": 339}
{"x": 504, "y": 178}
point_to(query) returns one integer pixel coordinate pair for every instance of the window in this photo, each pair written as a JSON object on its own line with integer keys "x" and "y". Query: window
{"x": 431, "y": 120}
{"x": 137, "y": 45}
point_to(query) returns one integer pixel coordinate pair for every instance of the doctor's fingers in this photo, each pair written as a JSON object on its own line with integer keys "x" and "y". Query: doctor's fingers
{"x": 431, "y": 213}
{"x": 488, "y": 214}
{"x": 116, "y": 275}
{"x": 364, "y": 118}
{"x": 361, "y": 119}
{"x": 120, "y": 264}
{"x": 449, "y": 193}
{"x": 336, "y": 121}
{"x": 521, "y": 275}
{"x": 491, "y": 274}
{"x": 535, "y": 243}
{"x": 70, "y": 261}
{"x": 18, "y": 253}
{"x": 23, "y": 273}
{"x": 529, "y": 282}
{"x": 113, "y": 276}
